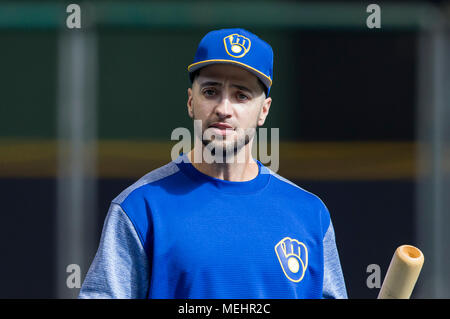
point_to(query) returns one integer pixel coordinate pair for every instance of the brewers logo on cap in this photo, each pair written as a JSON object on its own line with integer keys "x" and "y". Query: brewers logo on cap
{"x": 237, "y": 45}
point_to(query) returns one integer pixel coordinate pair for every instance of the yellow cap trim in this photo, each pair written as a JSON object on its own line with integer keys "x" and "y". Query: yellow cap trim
{"x": 224, "y": 60}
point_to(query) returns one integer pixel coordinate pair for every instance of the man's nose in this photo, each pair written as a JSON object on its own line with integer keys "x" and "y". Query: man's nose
{"x": 224, "y": 108}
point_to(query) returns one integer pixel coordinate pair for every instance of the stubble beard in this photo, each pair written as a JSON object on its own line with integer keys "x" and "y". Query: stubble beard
{"x": 225, "y": 150}
{"x": 218, "y": 144}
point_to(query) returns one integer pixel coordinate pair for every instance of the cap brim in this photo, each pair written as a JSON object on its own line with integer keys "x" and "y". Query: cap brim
{"x": 267, "y": 81}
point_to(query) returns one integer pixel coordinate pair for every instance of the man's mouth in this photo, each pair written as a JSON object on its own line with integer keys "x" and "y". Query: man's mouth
{"x": 222, "y": 128}
{"x": 221, "y": 125}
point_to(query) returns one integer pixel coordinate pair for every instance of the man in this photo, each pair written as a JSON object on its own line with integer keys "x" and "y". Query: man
{"x": 216, "y": 223}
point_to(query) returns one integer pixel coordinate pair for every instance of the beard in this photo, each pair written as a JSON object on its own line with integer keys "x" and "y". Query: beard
{"x": 225, "y": 148}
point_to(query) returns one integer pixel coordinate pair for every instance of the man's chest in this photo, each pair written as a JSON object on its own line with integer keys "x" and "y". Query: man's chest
{"x": 237, "y": 239}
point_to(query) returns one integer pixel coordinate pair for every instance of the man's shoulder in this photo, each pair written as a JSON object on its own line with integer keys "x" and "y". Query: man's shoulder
{"x": 294, "y": 189}
{"x": 156, "y": 175}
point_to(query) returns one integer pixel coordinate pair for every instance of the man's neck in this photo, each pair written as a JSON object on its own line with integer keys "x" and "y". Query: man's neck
{"x": 237, "y": 171}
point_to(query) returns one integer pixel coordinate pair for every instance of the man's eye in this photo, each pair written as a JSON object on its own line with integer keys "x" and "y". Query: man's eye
{"x": 209, "y": 92}
{"x": 242, "y": 97}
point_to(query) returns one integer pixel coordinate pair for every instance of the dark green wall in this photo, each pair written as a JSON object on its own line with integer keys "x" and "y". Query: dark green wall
{"x": 327, "y": 85}
{"x": 28, "y": 69}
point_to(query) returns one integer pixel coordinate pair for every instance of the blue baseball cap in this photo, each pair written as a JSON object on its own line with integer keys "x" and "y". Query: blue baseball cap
{"x": 239, "y": 47}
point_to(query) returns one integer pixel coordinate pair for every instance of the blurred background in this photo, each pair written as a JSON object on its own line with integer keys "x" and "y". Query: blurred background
{"x": 363, "y": 116}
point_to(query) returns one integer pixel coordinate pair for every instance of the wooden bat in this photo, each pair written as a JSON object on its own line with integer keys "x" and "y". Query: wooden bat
{"x": 402, "y": 273}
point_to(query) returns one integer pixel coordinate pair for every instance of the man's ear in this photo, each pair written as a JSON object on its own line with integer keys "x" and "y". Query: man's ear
{"x": 264, "y": 111}
{"x": 189, "y": 103}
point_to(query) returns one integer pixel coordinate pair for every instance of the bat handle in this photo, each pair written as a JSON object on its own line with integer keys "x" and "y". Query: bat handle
{"x": 402, "y": 273}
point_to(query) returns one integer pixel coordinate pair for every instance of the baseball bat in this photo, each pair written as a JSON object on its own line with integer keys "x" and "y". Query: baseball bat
{"x": 402, "y": 273}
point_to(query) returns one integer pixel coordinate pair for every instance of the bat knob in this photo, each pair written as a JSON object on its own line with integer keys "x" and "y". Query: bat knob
{"x": 402, "y": 273}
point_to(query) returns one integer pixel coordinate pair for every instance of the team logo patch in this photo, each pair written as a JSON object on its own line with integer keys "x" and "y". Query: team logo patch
{"x": 237, "y": 45}
{"x": 293, "y": 258}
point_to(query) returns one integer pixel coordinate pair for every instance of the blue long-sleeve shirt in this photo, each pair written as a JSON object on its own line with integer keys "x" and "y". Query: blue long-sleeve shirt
{"x": 178, "y": 233}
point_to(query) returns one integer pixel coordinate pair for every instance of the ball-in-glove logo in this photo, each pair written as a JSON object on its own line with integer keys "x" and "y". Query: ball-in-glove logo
{"x": 237, "y": 45}
{"x": 293, "y": 258}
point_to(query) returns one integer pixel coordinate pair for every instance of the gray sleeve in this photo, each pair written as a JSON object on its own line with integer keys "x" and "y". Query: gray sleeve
{"x": 120, "y": 268}
{"x": 333, "y": 278}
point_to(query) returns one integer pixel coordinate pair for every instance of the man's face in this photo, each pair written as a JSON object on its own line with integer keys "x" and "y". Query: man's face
{"x": 230, "y": 103}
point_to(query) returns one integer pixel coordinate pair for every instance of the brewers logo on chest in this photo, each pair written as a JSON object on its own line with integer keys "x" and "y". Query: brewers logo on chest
{"x": 237, "y": 45}
{"x": 293, "y": 258}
